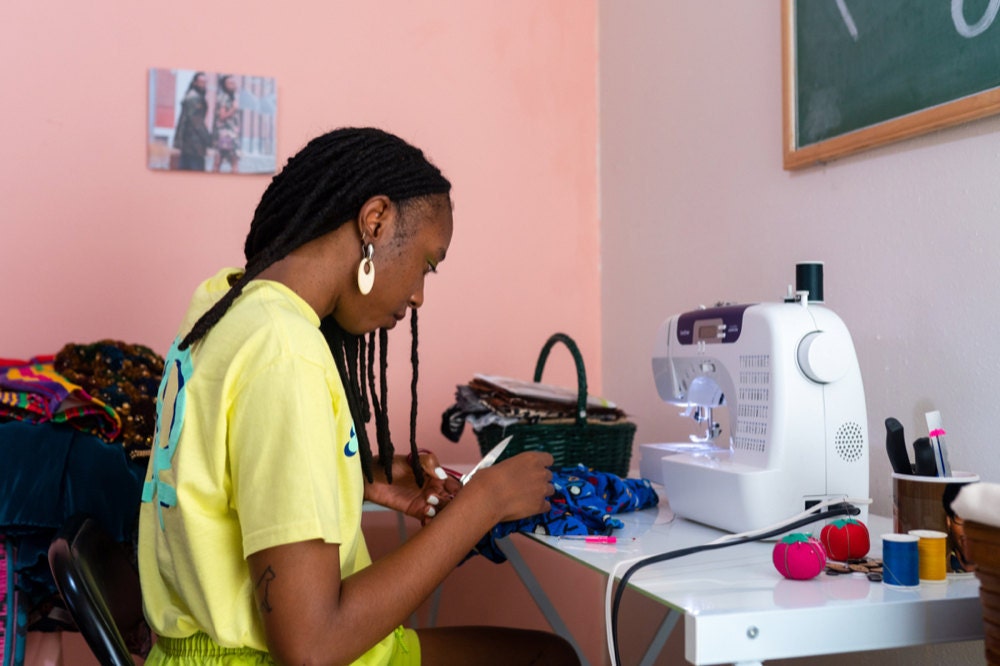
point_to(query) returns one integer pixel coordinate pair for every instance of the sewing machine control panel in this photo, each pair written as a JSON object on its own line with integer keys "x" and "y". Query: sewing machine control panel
{"x": 711, "y": 325}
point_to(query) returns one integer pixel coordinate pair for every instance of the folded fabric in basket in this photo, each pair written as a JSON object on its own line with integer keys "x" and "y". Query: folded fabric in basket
{"x": 539, "y": 396}
{"x": 493, "y": 400}
{"x": 585, "y": 502}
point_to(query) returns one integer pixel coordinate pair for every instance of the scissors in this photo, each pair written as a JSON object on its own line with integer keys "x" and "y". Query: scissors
{"x": 487, "y": 460}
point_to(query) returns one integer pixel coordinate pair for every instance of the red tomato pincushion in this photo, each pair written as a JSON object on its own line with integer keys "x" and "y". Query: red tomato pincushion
{"x": 799, "y": 556}
{"x": 845, "y": 540}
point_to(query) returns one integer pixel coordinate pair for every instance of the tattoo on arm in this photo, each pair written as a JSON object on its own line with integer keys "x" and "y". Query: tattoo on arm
{"x": 265, "y": 580}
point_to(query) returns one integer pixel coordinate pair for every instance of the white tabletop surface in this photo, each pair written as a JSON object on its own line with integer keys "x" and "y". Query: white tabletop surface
{"x": 738, "y": 608}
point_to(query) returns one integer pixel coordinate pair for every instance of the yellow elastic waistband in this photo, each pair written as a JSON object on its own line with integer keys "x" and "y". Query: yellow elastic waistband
{"x": 199, "y": 645}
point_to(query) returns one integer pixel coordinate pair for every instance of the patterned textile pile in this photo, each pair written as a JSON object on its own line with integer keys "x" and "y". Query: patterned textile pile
{"x": 585, "y": 502}
{"x": 489, "y": 400}
{"x": 107, "y": 389}
{"x": 124, "y": 376}
{"x": 76, "y": 430}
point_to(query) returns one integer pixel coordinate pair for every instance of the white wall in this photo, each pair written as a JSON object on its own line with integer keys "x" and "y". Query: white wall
{"x": 696, "y": 208}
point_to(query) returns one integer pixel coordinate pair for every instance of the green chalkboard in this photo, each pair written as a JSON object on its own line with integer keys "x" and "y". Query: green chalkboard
{"x": 863, "y": 72}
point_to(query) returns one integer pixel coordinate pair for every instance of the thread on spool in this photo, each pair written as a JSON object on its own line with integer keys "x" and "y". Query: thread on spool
{"x": 932, "y": 555}
{"x": 900, "y": 560}
{"x": 809, "y": 277}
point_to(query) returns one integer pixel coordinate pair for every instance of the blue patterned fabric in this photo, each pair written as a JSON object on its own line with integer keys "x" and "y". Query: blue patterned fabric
{"x": 585, "y": 502}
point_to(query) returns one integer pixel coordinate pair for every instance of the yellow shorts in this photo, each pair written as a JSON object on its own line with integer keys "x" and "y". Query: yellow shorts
{"x": 401, "y": 648}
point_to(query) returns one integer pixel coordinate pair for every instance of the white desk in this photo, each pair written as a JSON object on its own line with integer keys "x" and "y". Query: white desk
{"x": 738, "y": 609}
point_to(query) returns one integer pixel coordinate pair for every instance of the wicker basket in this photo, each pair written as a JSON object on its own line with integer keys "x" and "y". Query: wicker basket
{"x": 597, "y": 444}
{"x": 984, "y": 544}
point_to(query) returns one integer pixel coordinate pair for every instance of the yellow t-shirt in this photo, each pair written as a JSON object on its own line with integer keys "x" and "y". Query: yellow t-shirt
{"x": 266, "y": 455}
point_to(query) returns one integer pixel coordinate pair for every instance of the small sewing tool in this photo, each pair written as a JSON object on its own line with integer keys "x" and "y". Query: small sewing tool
{"x": 895, "y": 446}
{"x": 590, "y": 538}
{"x": 487, "y": 460}
{"x": 923, "y": 455}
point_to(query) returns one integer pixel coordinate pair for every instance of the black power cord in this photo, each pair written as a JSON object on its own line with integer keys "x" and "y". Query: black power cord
{"x": 841, "y": 509}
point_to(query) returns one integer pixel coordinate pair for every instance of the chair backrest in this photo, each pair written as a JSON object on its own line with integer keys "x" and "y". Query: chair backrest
{"x": 100, "y": 587}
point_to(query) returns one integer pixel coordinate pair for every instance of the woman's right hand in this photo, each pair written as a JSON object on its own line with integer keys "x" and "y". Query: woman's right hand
{"x": 519, "y": 486}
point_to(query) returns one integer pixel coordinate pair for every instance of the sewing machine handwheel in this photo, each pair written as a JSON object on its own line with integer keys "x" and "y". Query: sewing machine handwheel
{"x": 821, "y": 356}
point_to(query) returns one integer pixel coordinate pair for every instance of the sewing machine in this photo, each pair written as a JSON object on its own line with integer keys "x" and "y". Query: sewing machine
{"x": 789, "y": 379}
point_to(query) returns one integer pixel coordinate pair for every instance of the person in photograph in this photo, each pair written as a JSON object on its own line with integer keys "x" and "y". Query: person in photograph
{"x": 251, "y": 548}
{"x": 226, "y": 126}
{"x": 191, "y": 136}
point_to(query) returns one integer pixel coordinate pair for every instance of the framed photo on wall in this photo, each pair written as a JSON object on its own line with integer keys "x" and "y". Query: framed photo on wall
{"x": 211, "y": 122}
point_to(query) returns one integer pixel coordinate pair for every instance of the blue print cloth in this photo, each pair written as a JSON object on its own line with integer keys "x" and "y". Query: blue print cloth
{"x": 585, "y": 502}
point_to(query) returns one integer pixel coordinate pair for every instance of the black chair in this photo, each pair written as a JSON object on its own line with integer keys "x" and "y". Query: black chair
{"x": 100, "y": 587}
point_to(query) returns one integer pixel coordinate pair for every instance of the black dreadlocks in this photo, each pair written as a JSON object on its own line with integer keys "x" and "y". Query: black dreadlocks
{"x": 321, "y": 188}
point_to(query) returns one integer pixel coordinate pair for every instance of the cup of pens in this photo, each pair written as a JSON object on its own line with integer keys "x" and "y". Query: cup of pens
{"x": 924, "y": 503}
{"x": 922, "y": 492}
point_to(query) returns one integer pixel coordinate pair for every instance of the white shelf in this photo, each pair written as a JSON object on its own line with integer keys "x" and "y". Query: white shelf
{"x": 738, "y": 608}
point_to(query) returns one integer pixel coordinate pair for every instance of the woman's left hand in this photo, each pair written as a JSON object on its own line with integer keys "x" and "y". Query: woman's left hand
{"x": 404, "y": 495}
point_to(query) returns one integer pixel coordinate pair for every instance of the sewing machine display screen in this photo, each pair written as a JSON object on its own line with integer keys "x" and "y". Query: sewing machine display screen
{"x": 710, "y": 331}
{"x": 711, "y": 325}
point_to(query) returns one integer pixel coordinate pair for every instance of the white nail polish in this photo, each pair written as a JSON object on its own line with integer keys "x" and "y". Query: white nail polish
{"x": 440, "y": 473}
{"x": 432, "y": 499}
{"x": 430, "y": 512}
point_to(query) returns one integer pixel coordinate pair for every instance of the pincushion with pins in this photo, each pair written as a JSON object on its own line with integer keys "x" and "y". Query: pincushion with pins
{"x": 799, "y": 556}
{"x": 845, "y": 540}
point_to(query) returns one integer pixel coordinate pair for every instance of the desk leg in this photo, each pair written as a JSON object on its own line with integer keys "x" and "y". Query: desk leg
{"x": 506, "y": 545}
{"x": 660, "y": 639}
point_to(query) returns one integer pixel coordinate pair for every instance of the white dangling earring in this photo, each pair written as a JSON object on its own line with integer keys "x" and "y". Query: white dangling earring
{"x": 366, "y": 269}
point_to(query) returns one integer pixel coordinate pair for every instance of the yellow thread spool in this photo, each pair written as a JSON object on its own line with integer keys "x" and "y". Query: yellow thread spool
{"x": 932, "y": 554}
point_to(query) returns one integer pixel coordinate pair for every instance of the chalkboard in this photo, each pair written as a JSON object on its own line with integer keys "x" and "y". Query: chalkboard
{"x": 861, "y": 73}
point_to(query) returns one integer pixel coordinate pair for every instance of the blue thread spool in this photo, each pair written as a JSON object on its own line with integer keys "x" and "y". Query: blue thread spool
{"x": 900, "y": 560}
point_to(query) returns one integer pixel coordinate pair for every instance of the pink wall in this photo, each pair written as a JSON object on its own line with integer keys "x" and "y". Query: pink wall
{"x": 502, "y": 95}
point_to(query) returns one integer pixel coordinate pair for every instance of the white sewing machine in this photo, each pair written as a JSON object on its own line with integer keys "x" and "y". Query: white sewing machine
{"x": 789, "y": 378}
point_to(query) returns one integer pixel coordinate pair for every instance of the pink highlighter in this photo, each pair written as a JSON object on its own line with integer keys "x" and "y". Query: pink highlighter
{"x": 590, "y": 538}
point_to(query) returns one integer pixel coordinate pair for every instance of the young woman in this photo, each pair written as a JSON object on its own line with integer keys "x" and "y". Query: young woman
{"x": 250, "y": 546}
{"x": 226, "y": 125}
{"x": 191, "y": 137}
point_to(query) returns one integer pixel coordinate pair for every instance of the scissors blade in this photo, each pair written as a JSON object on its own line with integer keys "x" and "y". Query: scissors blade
{"x": 487, "y": 460}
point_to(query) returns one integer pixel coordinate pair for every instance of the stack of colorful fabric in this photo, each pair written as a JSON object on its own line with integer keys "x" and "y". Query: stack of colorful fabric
{"x": 34, "y": 392}
{"x": 493, "y": 400}
{"x": 76, "y": 429}
{"x": 126, "y": 377}
{"x": 107, "y": 389}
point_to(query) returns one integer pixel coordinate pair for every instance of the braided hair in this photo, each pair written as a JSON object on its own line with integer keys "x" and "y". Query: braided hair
{"x": 321, "y": 188}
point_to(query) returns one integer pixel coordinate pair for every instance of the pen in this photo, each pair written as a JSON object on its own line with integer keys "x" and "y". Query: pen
{"x": 936, "y": 436}
{"x": 591, "y": 538}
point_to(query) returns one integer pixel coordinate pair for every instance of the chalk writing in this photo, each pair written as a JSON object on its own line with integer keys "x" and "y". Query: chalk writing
{"x": 980, "y": 26}
{"x": 962, "y": 26}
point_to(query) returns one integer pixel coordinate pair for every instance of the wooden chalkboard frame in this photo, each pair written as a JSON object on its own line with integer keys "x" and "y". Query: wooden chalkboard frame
{"x": 937, "y": 117}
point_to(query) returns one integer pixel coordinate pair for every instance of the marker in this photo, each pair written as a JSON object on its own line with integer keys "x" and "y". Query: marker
{"x": 590, "y": 538}
{"x": 936, "y": 435}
